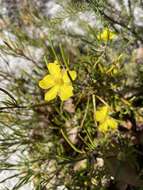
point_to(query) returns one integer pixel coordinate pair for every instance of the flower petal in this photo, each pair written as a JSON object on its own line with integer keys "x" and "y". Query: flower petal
{"x": 66, "y": 77}
{"x": 54, "y": 69}
{"x": 106, "y": 35}
{"x": 112, "y": 123}
{"x": 72, "y": 74}
{"x": 46, "y": 82}
{"x": 102, "y": 114}
{"x": 103, "y": 128}
{"x": 108, "y": 125}
{"x": 66, "y": 91}
{"x": 52, "y": 93}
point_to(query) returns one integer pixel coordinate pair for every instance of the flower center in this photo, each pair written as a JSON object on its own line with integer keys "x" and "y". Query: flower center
{"x": 59, "y": 81}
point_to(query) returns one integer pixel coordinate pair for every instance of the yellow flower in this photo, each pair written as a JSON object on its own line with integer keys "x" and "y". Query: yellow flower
{"x": 106, "y": 122}
{"x": 106, "y": 35}
{"x": 58, "y": 82}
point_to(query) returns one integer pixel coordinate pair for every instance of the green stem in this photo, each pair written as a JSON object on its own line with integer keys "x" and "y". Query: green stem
{"x": 69, "y": 142}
